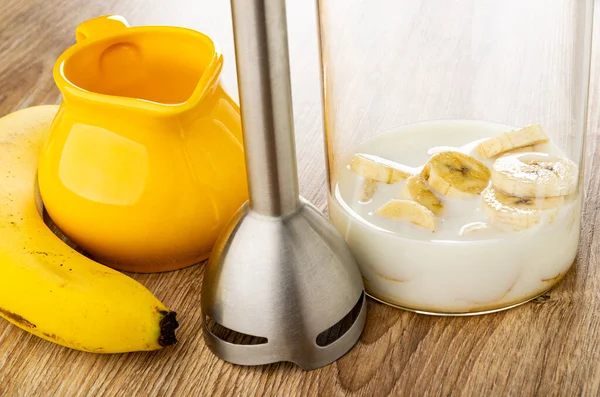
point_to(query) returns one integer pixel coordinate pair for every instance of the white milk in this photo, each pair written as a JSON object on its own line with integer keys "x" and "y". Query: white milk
{"x": 446, "y": 272}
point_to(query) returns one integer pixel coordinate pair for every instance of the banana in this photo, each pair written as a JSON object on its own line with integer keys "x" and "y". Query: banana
{"x": 369, "y": 188}
{"x": 518, "y": 213}
{"x": 47, "y": 288}
{"x": 379, "y": 169}
{"x": 456, "y": 174}
{"x": 525, "y": 149}
{"x": 416, "y": 189}
{"x": 535, "y": 175}
{"x": 511, "y": 140}
{"x": 410, "y": 211}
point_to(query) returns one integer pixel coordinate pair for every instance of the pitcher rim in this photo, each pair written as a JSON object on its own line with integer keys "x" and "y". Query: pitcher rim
{"x": 209, "y": 77}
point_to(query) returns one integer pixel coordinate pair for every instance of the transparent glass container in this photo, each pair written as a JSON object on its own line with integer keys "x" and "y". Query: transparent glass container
{"x": 455, "y": 136}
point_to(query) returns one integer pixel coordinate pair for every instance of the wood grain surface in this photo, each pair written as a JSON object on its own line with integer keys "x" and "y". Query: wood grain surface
{"x": 547, "y": 347}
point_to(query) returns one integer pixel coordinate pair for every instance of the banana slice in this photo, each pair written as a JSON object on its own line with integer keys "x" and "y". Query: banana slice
{"x": 535, "y": 175}
{"x": 410, "y": 211}
{"x": 518, "y": 213}
{"x": 456, "y": 174}
{"x": 378, "y": 168}
{"x": 416, "y": 189}
{"x": 369, "y": 188}
{"x": 526, "y": 149}
{"x": 527, "y": 136}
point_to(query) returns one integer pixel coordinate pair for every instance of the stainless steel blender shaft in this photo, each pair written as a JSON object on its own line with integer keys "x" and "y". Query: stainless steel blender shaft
{"x": 279, "y": 274}
{"x": 266, "y": 99}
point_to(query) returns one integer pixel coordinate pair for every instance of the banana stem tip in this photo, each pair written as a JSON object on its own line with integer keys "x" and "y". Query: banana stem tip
{"x": 168, "y": 325}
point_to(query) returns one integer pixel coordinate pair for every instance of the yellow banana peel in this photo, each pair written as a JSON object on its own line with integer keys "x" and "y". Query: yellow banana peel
{"x": 49, "y": 289}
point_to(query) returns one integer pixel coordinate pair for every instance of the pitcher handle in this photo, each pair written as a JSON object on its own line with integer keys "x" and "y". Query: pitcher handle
{"x": 100, "y": 27}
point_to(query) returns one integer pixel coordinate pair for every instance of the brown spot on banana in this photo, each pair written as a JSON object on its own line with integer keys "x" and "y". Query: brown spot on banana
{"x": 17, "y": 318}
{"x": 526, "y": 201}
{"x": 73, "y": 345}
{"x": 51, "y": 336}
{"x": 44, "y": 253}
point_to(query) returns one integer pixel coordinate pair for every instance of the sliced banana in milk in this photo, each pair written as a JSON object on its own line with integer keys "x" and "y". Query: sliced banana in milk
{"x": 517, "y": 213}
{"x": 535, "y": 175}
{"x": 379, "y": 169}
{"x": 456, "y": 174}
{"x": 416, "y": 189}
{"x": 369, "y": 187}
{"x": 526, "y": 149}
{"x": 509, "y": 141}
{"x": 409, "y": 211}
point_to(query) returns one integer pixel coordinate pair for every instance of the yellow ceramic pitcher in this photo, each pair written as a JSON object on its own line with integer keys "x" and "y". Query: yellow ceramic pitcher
{"x": 144, "y": 164}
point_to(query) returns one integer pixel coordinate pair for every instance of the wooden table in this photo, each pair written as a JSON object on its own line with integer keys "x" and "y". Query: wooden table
{"x": 547, "y": 347}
